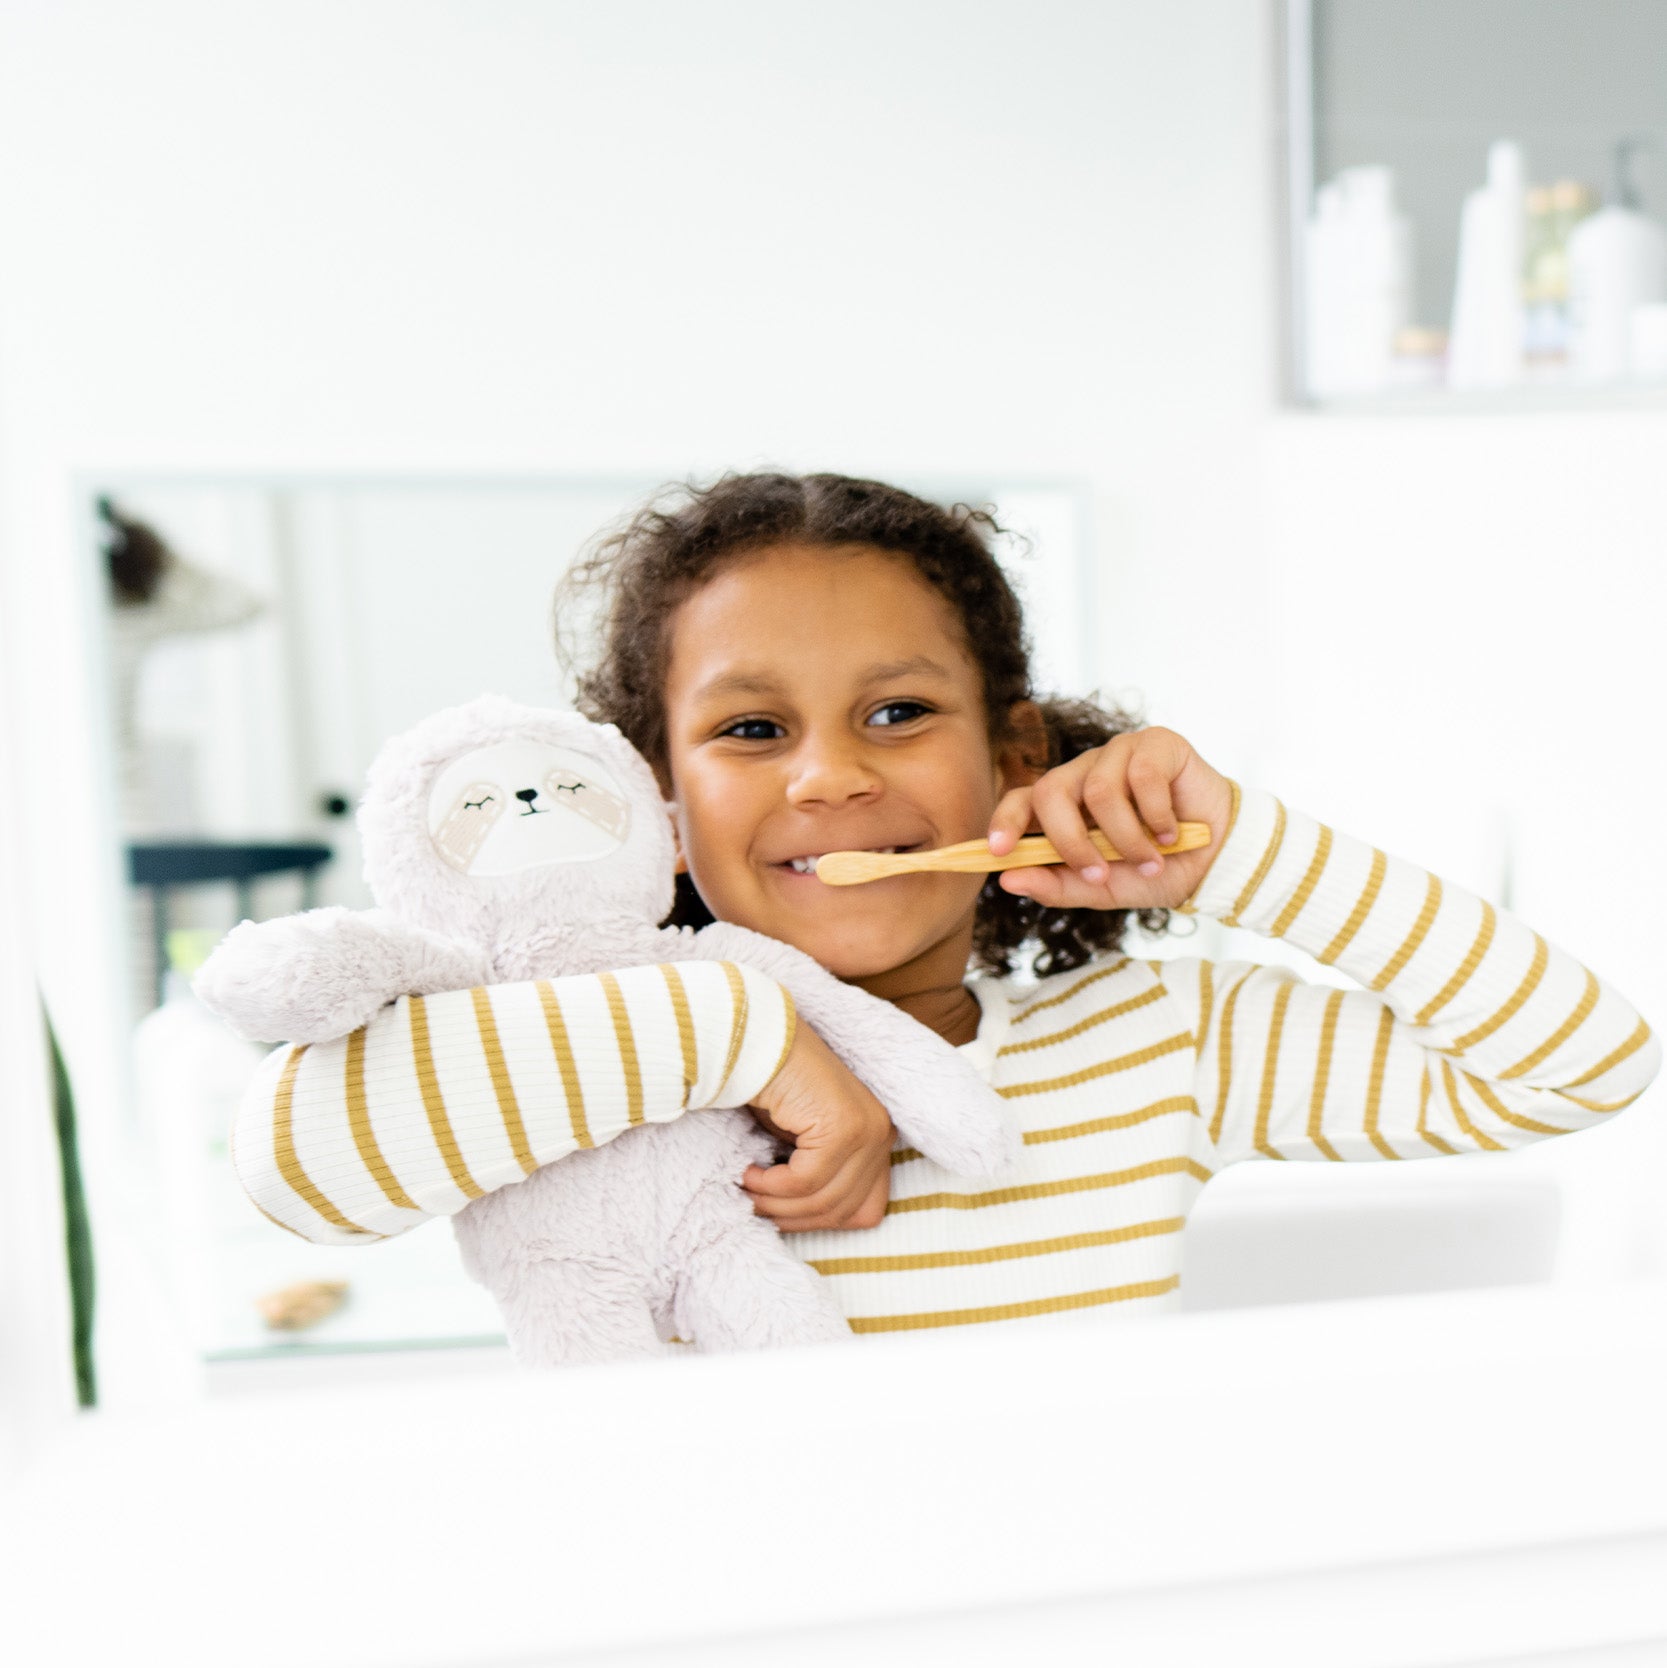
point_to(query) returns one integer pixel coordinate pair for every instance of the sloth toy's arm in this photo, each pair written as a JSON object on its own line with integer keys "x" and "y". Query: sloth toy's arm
{"x": 934, "y": 1095}
{"x": 323, "y": 973}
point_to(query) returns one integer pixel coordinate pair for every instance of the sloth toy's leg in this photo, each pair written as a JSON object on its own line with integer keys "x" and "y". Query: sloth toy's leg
{"x": 559, "y": 1312}
{"x": 741, "y": 1288}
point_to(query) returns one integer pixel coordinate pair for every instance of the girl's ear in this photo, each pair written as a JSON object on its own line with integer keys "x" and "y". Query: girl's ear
{"x": 681, "y": 866}
{"x": 1025, "y": 754}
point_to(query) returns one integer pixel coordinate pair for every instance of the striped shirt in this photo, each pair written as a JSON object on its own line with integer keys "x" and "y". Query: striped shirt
{"x": 1136, "y": 1081}
{"x": 440, "y": 1099}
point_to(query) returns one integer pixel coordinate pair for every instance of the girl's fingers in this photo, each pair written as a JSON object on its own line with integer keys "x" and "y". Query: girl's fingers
{"x": 1061, "y": 888}
{"x": 1156, "y": 807}
{"x": 1106, "y": 795}
{"x": 807, "y": 1171}
{"x": 1010, "y": 820}
{"x": 1057, "y": 803}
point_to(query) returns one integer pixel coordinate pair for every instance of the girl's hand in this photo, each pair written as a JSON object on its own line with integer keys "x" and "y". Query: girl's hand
{"x": 839, "y": 1175}
{"x": 1136, "y": 788}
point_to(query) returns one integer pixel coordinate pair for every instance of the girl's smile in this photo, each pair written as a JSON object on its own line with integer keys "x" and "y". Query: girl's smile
{"x": 823, "y": 700}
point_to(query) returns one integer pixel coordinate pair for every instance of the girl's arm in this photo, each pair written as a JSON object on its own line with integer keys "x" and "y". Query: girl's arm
{"x": 441, "y": 1098}
{"x": 1473, "y": 1033}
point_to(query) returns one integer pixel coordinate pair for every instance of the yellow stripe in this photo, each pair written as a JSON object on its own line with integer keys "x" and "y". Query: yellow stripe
{"x": 562, "y": 1045}
{"x": 1530, "y": 983}
{"x": 791, "y": 1026}
{"x": 1090, "y": 1126}
{"x": 1049, "y": 1190}
{"x": 1224, "y": 1054}
{"x": 364, "y": 1137}
{"x": 1461, "y": 975}
{"x": 738, "y": 1023}
{"x": 1270, "y": 1069}
{"x": 289, "y": 1162}
{"x": 1362, "y": 908}
{"x": 1322, "y": 1075}
{"x": 1423, "y": 1112}
{"x": 1304, "y": 891}
{"x": 1636, "y": 1041}
{"x": 1014, "y": 1311}
{"x": 487, "y": 1025}
{"x": 1500, "y": 1110}
{"x": 1432, "y": 902}
{"x": 1374, "y": 1085}
{"x": 1124, "y": 1062}
{"x": 1599, "y": 1105}
{"x": 685, "y": 1027}
{"x": 434, "y": 1104}
{"x": 1065, "y": 995}
{"x": 1119, "y": 1120}
{"x": 1236, "y": 915}
{"x": 996, "y": 1253}
{"x": 1486, "y": 1142}
{"x": 1145, "y": 999}
{"x": 628, "y": 1061}
{"x": 1563, "y": 1032}
{"x": 1206, "y": 1002}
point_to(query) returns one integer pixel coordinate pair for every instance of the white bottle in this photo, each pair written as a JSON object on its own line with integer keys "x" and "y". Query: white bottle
{"x": 1485, "y": 347}
{"x": 1617, "y": 261}
{"x": 1359, "y": 282}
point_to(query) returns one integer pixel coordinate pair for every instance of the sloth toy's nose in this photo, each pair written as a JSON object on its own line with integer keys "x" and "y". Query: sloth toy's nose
{"x": 528, "y": 794}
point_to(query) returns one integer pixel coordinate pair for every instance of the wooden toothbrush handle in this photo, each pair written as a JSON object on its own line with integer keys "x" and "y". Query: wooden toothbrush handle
{"x": 853, "y": 868}
{"x": 1036, "y": 850}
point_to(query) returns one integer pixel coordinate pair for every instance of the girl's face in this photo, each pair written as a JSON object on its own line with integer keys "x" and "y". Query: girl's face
{"x": 822, "y": 700}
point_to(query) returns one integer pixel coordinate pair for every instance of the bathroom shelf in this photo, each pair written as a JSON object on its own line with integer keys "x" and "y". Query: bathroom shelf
{"x": 1452, "y": 402}
{"x": 1424, "y": 87}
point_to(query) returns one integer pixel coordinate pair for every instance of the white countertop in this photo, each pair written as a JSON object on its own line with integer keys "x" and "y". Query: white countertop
{"x": 1203, "y": 1480}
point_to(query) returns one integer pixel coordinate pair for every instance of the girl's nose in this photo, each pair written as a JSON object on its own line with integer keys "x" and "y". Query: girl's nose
{"x": 830, "y": 772}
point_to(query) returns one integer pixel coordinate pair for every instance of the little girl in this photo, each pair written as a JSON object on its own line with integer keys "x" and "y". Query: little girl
{"x": 816, "y": 663}
{"x": 819, "y": 663}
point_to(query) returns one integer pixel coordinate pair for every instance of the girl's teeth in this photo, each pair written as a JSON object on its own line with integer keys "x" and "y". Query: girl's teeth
{"x": 807, "y": 865}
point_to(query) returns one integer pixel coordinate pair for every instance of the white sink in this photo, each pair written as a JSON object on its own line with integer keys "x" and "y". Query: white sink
{"x": 1267, "y": 1232}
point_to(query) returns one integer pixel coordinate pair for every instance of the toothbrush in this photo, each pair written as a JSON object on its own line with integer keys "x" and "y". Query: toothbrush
{"x": 853, "y": 868}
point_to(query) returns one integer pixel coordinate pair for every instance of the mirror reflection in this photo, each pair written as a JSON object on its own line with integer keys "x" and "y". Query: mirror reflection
{"x": 264, "y": 641}
{"x": 267, "y": 641}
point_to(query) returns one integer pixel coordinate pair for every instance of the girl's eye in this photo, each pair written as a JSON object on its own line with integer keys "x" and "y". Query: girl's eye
{"x": 754, "y": 729}
{"x": 897, "y": 712}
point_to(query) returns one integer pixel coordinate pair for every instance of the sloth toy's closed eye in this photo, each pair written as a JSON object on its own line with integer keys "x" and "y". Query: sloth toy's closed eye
{"x": 596, "y": 804}
{"x": 465, "y": 828}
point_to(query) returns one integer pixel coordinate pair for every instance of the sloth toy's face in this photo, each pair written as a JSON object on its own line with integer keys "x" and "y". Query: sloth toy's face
{"x": 524, "y": 805}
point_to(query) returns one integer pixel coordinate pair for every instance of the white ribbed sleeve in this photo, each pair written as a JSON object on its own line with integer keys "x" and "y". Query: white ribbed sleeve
{"x": 1472, "y": 1032}
{"x": 445, "y": 1097}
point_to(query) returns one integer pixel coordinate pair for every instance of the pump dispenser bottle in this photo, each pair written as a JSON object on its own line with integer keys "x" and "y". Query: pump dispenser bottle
{"x": 1485, "y": 349}
{"x": 1617, "y": 262}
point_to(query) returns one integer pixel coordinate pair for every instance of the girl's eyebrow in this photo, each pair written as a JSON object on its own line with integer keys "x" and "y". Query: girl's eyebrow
{"x": 889, "y": 669}
{"x": 761, "y": 683}
{"x": 737, "y": 683}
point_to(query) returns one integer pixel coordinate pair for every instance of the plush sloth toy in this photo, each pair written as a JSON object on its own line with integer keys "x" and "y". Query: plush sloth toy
{"x": 505, "y": 843}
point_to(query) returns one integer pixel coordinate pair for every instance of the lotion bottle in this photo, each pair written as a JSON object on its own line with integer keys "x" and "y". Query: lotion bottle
{"x": 1617, "y": 261}
{"x": 1485, "y": 349}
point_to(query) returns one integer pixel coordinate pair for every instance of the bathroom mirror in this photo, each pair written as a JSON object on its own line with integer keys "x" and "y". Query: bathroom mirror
{"x": 263, "y": 637}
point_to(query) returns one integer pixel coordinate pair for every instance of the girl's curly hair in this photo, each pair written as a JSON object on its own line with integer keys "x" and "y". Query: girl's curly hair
{"x": 614, "y": 607}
